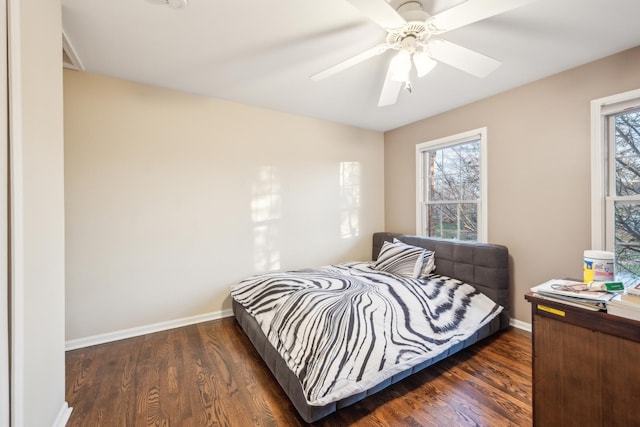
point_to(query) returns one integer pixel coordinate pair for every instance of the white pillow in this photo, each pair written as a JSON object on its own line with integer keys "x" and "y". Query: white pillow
{"x": 400, "y": 259}
{"x": 428, "y": 262}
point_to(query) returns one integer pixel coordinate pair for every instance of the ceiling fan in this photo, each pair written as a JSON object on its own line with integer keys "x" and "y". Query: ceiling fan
{"x": 411, "y": 31}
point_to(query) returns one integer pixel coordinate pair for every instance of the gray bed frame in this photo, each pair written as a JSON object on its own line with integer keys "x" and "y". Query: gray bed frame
{"x": 485, "y": 266}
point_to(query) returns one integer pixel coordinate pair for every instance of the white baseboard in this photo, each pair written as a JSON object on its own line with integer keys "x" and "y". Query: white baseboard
{"x": 520, "y": 324}
{"x": 143, "y": 330}
{"x": 63, "y": 415}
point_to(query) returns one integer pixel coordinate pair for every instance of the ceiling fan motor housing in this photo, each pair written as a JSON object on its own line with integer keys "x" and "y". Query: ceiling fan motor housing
{"x": 415, "y": 28}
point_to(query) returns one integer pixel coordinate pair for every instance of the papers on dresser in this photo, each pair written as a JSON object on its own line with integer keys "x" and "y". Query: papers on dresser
{"x": 573, "y": 293}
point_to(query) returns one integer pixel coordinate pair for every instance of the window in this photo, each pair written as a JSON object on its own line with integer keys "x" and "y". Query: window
{"x": 615, "y": 178}
{"x": 451, "y": 187}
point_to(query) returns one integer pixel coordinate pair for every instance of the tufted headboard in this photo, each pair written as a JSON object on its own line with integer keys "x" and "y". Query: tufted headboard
{"x": 482, "y": 265}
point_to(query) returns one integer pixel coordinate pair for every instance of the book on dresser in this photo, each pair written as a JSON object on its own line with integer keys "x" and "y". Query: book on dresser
{"x": 633, "y": 290}
{"x": 625, "y": 305}
{"x": 630, "y": 298}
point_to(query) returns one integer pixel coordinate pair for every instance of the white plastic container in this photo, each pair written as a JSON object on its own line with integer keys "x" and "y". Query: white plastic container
{"x": 598, "y": 266}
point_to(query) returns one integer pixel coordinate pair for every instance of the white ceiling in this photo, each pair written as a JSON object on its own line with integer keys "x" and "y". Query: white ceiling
{"x": 262, "y": 52}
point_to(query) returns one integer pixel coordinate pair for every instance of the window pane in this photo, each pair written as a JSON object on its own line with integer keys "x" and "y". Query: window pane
{"x": 627, "y": 242}
{"x": 435, "y": 221}
{"x": 453, "y": 172}
{"x": 627, "y": 149}
{"x": 468, "y": 221}
{"x": 453, "y": 221}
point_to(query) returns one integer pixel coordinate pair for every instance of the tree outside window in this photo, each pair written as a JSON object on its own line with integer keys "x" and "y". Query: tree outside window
{"x": 624, "y": 194}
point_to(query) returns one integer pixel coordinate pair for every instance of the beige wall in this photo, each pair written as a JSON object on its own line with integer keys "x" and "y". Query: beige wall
{"x": 171, "y": 198}
{"x": 37, "y": 232}
{"x": 539, "y": 160}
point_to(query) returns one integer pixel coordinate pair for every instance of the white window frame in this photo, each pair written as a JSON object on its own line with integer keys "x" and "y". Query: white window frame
{"x": 460, "y": 138}
{"x": 602, "y": 230}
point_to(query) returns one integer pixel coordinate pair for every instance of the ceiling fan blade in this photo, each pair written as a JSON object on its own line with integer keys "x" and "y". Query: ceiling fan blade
{"x": 471, "y": 11}
{"x": 390, "y": 90}
{"x": 467, "y": 60}
{"x": 380, "y": 12}
{"x": 369, "y": 53}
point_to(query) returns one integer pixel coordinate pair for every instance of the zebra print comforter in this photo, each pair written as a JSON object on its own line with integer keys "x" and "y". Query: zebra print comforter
{"x": 345, "y": 328}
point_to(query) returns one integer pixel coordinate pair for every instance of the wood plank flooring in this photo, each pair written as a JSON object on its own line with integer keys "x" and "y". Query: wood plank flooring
{"x": 209, "y": 374}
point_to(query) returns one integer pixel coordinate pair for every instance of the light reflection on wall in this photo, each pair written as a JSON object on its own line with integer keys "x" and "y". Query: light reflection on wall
{"x": 265, "y": 214}
{"x": 349, "y": 199}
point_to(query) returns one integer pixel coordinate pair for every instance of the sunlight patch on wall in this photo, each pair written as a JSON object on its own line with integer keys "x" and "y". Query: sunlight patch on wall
{"x": 349, "y": 199}
{"x": 266, "y": 204}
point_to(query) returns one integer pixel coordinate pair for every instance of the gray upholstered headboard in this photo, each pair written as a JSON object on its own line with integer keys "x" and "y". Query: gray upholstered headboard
{"x": 482, "y": 265}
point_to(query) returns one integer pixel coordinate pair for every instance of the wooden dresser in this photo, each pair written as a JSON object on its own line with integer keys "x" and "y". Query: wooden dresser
{"x": 586, "y": 366}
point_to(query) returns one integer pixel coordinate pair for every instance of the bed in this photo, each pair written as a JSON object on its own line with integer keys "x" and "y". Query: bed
{"x": 384, "y": 319}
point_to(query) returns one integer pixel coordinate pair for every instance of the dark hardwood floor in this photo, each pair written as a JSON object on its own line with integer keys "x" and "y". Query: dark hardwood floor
{"x": 210, "y": 375}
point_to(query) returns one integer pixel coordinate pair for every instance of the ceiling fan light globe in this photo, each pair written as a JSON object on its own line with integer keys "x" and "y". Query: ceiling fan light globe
{"x": 423, "y": 62}
{"x": 400, "y": 66}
